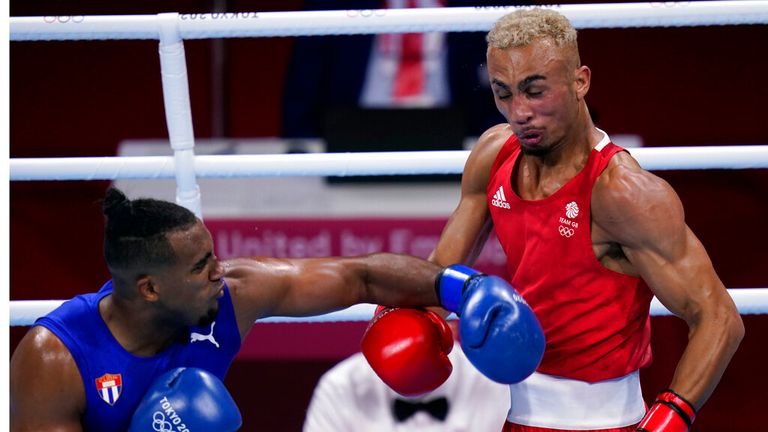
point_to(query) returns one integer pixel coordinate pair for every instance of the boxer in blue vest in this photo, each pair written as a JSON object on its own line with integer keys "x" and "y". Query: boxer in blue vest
{"x": 171, "y": 303}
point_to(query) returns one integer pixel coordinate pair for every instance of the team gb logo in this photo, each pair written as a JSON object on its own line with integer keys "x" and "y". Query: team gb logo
{"x": 571, "y": 210}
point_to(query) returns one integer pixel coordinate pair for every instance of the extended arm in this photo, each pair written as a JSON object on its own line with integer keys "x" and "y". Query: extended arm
{"x": 644, "y": 216}
{"x": 264, "y": 287}
{"x": 46, "y": 392}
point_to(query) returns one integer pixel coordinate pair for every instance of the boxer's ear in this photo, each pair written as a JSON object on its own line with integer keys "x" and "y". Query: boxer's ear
{"x": 147, "y": 288}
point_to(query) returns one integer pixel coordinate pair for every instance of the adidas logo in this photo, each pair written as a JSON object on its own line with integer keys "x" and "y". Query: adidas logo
{"x": 499, "y": 200}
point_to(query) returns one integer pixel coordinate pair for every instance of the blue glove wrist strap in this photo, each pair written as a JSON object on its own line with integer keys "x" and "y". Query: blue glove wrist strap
{"x": 450, "y": 284}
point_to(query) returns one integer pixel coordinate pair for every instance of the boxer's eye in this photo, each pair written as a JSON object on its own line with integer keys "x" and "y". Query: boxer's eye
{"x": 533, "y": 92}
{"x": 200, "y": 265}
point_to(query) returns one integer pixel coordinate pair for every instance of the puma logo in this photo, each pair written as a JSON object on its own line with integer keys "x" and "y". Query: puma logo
{"x": 197, "y": 337}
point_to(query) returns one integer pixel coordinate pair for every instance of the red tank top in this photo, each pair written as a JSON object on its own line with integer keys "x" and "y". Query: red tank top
{"x": 596, "y": 321}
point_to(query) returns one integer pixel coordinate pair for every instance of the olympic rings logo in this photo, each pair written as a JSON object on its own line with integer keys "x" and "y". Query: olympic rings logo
{"x": 160, "y": 424}
{"x": 366, "y": 13}
{"x": 63, "y": 19}
{"x": 565, "y": 231}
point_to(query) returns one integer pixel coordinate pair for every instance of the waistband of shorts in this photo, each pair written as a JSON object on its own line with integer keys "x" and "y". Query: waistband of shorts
{"x": 561, "y": 403}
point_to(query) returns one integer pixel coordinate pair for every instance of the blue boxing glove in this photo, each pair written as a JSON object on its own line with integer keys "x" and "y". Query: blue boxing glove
{"x": 187, "y": 400}
{"x": 500, "y": 334}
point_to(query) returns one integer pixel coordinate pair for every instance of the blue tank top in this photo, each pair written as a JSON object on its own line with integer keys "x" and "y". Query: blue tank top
{"x": 115, "y": 380}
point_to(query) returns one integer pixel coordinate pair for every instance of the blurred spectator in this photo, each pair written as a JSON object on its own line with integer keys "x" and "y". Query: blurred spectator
{"x": 412, "y": 70}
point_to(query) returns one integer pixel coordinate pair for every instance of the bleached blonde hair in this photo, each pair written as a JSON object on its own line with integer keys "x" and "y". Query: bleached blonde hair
{"x": 524, "y": 26}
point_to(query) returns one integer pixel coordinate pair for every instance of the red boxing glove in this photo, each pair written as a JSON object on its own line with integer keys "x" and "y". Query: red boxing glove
{"x": 670, "y": 413}
{"x": 408, "y": 349}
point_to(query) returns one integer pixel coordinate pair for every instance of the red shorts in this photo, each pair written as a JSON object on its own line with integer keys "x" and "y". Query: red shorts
{"x": 511, "y": 427}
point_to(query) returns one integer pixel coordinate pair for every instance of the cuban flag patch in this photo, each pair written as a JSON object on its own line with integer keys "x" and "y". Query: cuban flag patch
{"x": 109, "y": 387}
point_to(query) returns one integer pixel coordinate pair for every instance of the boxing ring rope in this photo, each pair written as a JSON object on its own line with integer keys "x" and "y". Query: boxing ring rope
{"x": 172, "y": 28}
{"x": 347, "y": 164}
{"x": 371, "y": 21}
{"x": 749, "y": 301}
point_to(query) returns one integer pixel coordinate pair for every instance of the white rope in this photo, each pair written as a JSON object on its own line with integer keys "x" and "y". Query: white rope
{"x": 749, "y": 301}
{"x": 346, "y": 164}
{"x": 25, "y": 312}
{"x": 171, "y": 28}
{"x": 258, "y": 24}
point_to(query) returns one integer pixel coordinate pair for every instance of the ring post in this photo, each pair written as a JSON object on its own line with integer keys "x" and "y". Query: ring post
{"x": 178, "y": 111}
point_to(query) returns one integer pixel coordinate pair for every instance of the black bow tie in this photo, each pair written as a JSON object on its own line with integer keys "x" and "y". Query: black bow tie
{"x": 437, "y": 408}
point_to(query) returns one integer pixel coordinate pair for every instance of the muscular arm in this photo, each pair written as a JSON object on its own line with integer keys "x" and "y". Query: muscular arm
{"x": 642, "y": 213}
{"x": 46, "y": 391}
{"x": 263, "y": 287}
{"x": 470, "y": 224}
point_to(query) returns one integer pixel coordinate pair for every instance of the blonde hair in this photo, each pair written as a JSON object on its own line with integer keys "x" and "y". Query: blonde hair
{"x": 524, "y": 26}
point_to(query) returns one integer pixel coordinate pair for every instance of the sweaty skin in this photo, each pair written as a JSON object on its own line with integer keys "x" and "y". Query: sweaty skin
{"x": 46, "y": 389}
{"x": 638, "y": 225}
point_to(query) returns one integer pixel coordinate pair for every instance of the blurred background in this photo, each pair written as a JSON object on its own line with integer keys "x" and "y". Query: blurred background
{"x": 651, "y": 87}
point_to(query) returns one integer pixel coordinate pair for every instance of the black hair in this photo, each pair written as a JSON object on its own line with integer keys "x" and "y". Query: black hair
{"x": 135, "y": 233}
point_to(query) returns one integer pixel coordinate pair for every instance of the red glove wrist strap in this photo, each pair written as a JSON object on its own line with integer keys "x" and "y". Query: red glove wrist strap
{"x": 681, "y": 406}
{"x": 670, "y": 413}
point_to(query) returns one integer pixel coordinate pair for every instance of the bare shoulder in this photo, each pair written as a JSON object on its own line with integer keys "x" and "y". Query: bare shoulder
{"x": 491, "y": 141}
{"x": 40, "y": 347}
{"x": 262, "y": 271}
{"x": 482, "y": 156}
{"x": 264, "y": 286}
{"x": 635, "y": 206}
{"x": 258, "y": 284}
{"x": 267, "y": 274}
{"x": 45, "y": 385}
